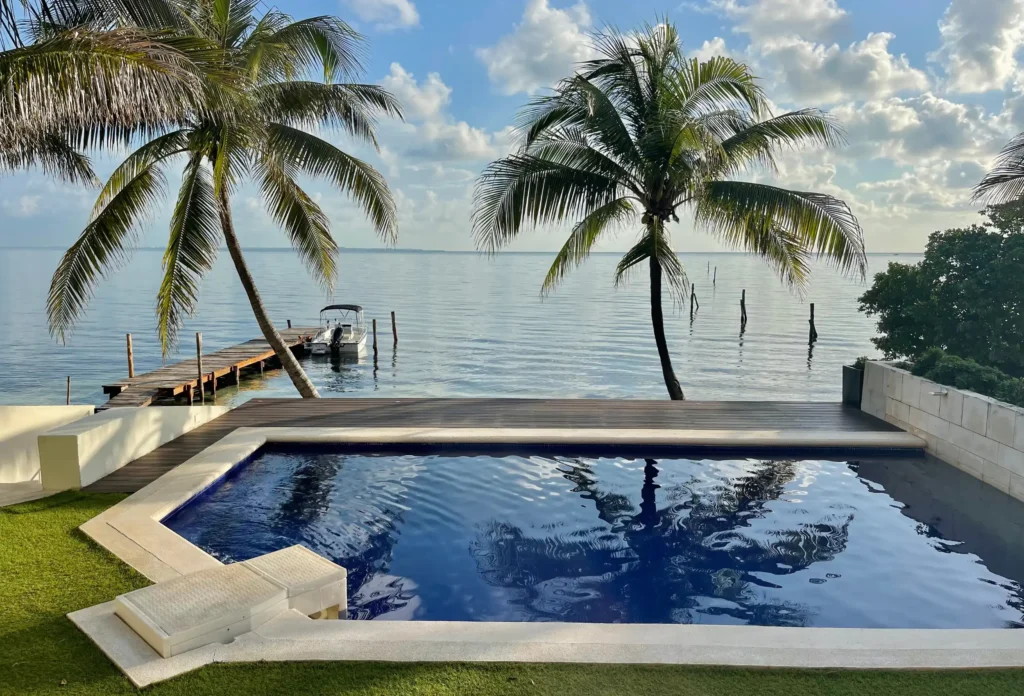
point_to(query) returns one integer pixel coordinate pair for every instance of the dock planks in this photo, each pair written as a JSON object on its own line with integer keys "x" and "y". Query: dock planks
{"x": 172, "y": 380}
{"x": 492, "y": 413}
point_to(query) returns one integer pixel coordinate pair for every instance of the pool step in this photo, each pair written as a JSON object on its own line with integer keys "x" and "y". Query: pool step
{"x": 216, "y": 605}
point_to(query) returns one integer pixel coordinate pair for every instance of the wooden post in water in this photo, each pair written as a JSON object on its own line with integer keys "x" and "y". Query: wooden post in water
{"x": 261, "y": 368}
{"x": 743, "y": 308}
{"x": 693, "y": 302}
{"x": 813, "y": 336}
{"x": 714, "y": 278}
{"x": 199, "y": 365}
{"x": 374, "y": 341}
{"x": 131, "y": 358}
{"x": 394, "y": 327}
{"x": 68, "y": 402}
{"x": 234, "y": 374}
{"x": 213, "y": 386}
{"x": 289, "y": 323}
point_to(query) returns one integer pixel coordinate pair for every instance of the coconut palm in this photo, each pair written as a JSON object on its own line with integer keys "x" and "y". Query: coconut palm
{"x": 1005, "y": 182}
{"x": 640, "y": 132}
{"x": 92, "y": 73}
{"x": 255, "y": 133}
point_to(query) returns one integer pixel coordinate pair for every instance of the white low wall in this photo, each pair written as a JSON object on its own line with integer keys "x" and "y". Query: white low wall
{"x": 974, "y": 433}
{"x": 19, "y": 428}
{"x": 80, "y": 453}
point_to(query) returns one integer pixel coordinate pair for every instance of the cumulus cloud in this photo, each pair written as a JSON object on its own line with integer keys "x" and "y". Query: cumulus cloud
{"x": 543, "y": 48}
{"x": 763, "y": 19}
{"x": 712, "y": 48}
{"x": 424, "y": 100}
{"x": 386, "y": 14}
{"x": 22, "y": 206}
{"x": 865, "y": 70}
{"x": 979, "y": 43}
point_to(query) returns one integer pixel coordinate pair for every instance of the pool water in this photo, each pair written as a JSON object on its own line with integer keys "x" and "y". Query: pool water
{"x": 897, "y": 544}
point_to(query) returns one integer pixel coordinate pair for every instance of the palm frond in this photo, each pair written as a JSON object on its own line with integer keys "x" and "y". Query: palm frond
{"x": 49, "y": 152}
{"x": 523, "y": 190}
{"x": 820, "y": 222}
{"x": 703, "y": 86}
{"x": 353, "y": 108}
{"x": 1005, "y": 182}
{"x": 323, "y": 44}
{"x": 103, "y": 246}
{"x": 138, "y": 162}
{"x": 308, "y": 228}
{"x": 191, "y": 250}
{"x": 759, "y": 142}
{"x": 583, "y": 237}
{"x": 655, "y": 244}
{"x": 352, "y": 176}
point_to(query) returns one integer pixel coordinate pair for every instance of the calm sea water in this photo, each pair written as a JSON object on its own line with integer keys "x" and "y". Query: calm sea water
{"x": 468, "y": 326}
{"x": 869, "y": 544}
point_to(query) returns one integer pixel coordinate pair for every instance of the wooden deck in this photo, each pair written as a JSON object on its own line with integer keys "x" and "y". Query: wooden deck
{"x": 171, "y": 380}
{"x": 484, "y": 413}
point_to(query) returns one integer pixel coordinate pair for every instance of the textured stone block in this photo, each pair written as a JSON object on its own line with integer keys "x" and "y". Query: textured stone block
{"x": 931, "y": 397}
{"x": 894, "y": 384}
{"x": 912, "y": 391}
{"x": 975, "y": 413}
{"x": 970, "y": 463}
{"x": 1000, "y": 423}
{"x": 1011, "y": 459}
{"x": 951, "y": 407}
{"x": 996, "y": 476}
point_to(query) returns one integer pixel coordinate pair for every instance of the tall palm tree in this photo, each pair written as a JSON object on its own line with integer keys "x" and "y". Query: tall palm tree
{"x": 642, "y": 131}
{"x": 1005, "y": 182}
{"x": 254, "y": 133}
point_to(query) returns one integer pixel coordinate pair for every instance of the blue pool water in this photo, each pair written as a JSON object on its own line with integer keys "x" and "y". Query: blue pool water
{"x": 899, "y": 544}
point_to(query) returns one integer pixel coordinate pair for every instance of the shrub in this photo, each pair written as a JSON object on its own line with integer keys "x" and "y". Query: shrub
{"x": 966, "y": 296}
{"x": 954, "y": 371}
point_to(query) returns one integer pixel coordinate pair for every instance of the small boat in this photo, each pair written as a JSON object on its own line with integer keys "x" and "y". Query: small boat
{"x": 342, "y": 331}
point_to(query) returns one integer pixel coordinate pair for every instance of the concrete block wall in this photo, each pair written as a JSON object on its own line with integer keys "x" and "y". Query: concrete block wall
{"x": 20, "y": 426}
{"x": 977, "y": 434}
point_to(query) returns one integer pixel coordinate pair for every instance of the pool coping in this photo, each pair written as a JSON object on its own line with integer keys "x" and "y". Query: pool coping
{"x": 132, "y": 531}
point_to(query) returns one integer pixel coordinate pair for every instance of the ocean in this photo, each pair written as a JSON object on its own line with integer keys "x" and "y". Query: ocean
{"x": 469, "y": 325}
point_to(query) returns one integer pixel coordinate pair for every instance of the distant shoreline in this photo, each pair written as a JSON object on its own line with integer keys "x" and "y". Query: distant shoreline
{"x": 365, "y": 250}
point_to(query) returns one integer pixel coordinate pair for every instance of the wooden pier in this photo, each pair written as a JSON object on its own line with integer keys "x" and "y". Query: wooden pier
{"x": 170, "y": 381}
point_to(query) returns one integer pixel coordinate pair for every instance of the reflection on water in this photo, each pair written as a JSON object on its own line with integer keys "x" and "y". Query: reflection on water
{"x": 784, "y": 543}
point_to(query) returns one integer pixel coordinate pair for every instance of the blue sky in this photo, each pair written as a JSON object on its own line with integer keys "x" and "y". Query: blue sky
{"x": 928, "y": 91}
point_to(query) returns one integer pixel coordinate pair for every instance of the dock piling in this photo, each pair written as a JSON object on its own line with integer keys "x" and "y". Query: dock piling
{"x": 694, "y": 304}
{"x": 289, "y": 323}
{"x": 394, "y": 327}
{"x": 714, "y": 278}
{"x": 374, "y": 341}
{"x": 743, "y": 309}
{"x": 131, "y": 358}
{"x": 813, "y": 335}
{"x": 199, "y": 365}
{"x": 68, "y": 402}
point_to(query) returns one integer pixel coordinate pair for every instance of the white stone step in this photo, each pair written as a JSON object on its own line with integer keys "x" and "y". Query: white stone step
{"x": 218, "y": 604}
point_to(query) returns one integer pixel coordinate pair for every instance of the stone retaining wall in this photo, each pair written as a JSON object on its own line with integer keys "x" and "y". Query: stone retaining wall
{"x": 977, "y": 434}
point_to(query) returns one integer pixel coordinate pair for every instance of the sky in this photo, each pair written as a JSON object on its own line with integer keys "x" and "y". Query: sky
{"x": 927, "y": 91}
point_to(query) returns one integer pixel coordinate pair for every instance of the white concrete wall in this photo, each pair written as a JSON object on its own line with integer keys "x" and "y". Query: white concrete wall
{"x": 974, "y": 433}
{"x": 19, "y": 428}
{"x": 77, "y": 454}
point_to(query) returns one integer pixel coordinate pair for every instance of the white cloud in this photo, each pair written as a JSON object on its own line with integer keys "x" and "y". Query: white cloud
{"x": 920, "y": 129}
{"x": 23, "y": 206}
{"x": 425, "y": 100}
{"x": 761, "y": 19}
{"x": 386, "y": 14}
{"x": 712, "y": 48}
{"x": 865, "y": 70}
{"x": 543, "y": 48}
{"x": 980, "y": 39}
{"x": 430, "y": 132}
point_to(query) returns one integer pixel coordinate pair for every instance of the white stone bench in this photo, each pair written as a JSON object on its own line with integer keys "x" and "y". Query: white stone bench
{"x": 216, "y": 605}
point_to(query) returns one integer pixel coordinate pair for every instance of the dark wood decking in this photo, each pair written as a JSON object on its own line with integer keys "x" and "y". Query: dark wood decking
{"x": 492, "y": 413}
{"x": 171, "y": 380}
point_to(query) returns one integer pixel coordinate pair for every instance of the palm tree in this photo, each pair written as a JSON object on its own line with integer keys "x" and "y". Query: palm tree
{"x": 641, "y": 131}
{"x": 255, "y": 133}
{"x": 93, "y": 75}
{"x": 1005, "y": 182}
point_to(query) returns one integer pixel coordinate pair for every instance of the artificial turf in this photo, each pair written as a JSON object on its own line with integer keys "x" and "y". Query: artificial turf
{"x": 48, "y": 568}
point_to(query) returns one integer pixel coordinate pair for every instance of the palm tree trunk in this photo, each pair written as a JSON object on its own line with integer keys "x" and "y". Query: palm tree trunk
{"x": 283, "y": 352}
{"x": 675, "y": 392}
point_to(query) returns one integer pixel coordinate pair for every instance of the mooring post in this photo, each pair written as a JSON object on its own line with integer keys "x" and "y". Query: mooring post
{"x": 694, "y": 303}
{"x": 261, "y": 368}
{"x": 714, "y": 278}
{"x": 131, "y": 358}
{"x": 289, "y": 323}
{"x": 199, "y": 365}
{"x": 374, "y": 341}
{"x": 68, "y": 402}
{"x": 743, "y": 308}
{"x": 213, "y": 386}
{"x": 234, "y": 374}
{"x": 813, "y": 336}
{"x": 394, "y": 327}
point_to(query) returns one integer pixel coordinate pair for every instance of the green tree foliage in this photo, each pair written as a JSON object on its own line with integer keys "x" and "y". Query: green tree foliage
{"x": 966, "y": 296}
{"x": 642, "y": 134}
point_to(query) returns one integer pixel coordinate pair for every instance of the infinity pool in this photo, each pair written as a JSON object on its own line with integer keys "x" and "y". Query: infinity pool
{"x": 872, "y": 544}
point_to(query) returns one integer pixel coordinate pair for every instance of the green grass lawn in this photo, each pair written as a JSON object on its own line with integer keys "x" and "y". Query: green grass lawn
{"x": 48, "y": 568}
